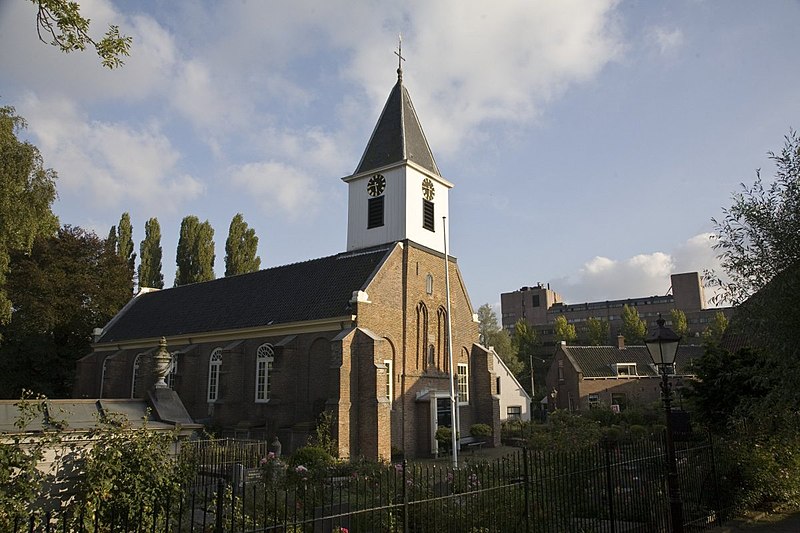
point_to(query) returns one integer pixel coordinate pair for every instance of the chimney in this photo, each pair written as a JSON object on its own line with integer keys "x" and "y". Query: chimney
{"x": 620, "y": 342}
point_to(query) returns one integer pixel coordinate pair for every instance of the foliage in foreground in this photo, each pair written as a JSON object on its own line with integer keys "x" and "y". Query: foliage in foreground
{"x": 118, "y": 468}
{"x": 27, "y": 191}
{"x": 748, "y": 389}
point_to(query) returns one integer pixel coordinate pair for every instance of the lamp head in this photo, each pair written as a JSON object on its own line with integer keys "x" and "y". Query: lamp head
{"x": 662, "y": 343}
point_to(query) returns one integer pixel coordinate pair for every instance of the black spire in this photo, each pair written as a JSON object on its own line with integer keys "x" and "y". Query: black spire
{"x": 398, "y": 135}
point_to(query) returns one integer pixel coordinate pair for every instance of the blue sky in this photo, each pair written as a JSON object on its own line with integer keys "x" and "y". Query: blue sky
{"x": 590, "y": 142}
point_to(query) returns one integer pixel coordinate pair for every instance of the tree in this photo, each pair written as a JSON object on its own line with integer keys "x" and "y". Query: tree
{"x": 633, "y": 328}
{"x": 27, "y": 191}
{"x": 195, "y": 257}
{"x": 599, "y": 331}
{"x": 65, "y": 287}
{"x": 525, "y": 341}
{"x": 563, "y": 330}
{"x": 150, "y": 256}
{"x": 716, "y": 328}
{"x": 487, "y": 322}
{"x": 679, "y": 323}
{"x": 111, "y": 240}
{"x": 125, "y": 245}
{"x": 241, "y": 248}
{"x": 492, "y": 335}
{"x": 61, "y": 22}
{"x": 759, "y": 235}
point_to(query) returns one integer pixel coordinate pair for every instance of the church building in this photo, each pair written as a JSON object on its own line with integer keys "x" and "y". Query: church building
{"x": 361, "y": 335}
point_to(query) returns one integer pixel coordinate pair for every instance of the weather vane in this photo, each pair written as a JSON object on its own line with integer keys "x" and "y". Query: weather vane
{"x": 400, "y": 57}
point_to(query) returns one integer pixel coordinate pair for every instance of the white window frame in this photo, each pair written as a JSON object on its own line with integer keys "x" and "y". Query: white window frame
{"x": 593, "y": 400}
{"x": 214, "y": 369}
{"x": 630, "y": 370}
{"x": 135, "y": 375}
{"x": 265, "y": 358}
{"x": 516, "y": 415}
{"x": 463, "y": 383}
{"x": 389, "y": 389}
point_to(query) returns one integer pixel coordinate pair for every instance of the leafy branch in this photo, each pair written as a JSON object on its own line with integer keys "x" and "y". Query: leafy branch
{"x": 60, "y": 23}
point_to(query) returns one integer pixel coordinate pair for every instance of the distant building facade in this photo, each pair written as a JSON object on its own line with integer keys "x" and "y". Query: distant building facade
{"x": 539, "y": 306}
{"x": 611, "y": 377}
{"x": 515, "y": 402}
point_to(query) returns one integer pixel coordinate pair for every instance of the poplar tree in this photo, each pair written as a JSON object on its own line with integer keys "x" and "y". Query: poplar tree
{"x": 241, "y": 248}
{"x": 195, "y": 256}
{"x": 111, "y": 240}
{"x": 125, "y": 244}
{"x": 150, "y": 256}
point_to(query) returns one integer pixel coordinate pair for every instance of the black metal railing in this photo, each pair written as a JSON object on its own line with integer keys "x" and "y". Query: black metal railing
{"x": 239, "y": 488}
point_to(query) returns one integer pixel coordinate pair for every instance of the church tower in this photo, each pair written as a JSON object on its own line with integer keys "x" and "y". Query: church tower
{"x": 396, "y": 192}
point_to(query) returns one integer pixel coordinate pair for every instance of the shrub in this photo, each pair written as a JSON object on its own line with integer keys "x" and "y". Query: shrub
{"x": 311, "y": 457}
{"x": 480, "y": 430}
{"x": 637, "y": 432}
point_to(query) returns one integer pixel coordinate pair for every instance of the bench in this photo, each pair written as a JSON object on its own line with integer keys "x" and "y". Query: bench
{"x": 471, "y": 442}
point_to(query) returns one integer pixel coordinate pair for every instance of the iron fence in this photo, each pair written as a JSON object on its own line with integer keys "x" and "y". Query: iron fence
{"x": 239, "y": 488}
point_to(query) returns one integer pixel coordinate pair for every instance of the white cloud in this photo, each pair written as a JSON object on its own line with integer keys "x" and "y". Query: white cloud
{"x": 111, "y": 163}
{"x": 275, "y": 184}
{"x": 476, "y": 62}
{"x": 468, "y": 63}
{"x": 666, "y": 40}
{"x": 602, "y": 278}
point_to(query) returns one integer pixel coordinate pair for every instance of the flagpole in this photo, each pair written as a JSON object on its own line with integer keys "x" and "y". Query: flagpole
{"x": 453, "y": 398}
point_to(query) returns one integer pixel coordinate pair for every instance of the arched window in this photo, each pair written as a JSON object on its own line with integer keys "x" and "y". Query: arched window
{"x": 265, "y": 356}
{"x": 173, "y": 371}
{"x": 214, "y": 367}
{"x": 441, "y": 340}
{"x": 463, "y": 383}
{"x": 422, "y": 333}
{"x": 135, "y": 377}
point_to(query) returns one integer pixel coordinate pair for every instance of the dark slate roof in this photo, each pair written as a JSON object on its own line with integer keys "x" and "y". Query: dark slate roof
{"x": 78, "y": 415}
{"x": 315, "y": 289}
{"x": 398, "y": 136}
{"x": 599, "y": 361}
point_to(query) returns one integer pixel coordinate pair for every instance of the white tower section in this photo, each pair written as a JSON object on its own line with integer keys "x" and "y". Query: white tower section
{"x": 403, "y": 207}
{"x": 397, "y": 192}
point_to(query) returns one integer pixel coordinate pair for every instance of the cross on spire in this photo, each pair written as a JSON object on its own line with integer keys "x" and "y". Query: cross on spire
{"x": 400, "y": 57}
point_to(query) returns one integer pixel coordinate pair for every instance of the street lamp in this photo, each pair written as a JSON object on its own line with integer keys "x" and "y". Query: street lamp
{"x": 662, "y": 344}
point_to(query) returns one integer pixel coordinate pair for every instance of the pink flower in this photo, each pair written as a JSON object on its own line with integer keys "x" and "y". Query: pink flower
{"x": 300, "y": 469}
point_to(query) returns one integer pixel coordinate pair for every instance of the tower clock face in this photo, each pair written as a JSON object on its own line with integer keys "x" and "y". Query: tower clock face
{"x": 376, "y": 185}
{"x": 427, "y": 189}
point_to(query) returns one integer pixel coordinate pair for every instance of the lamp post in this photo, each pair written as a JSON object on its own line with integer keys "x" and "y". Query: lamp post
{"x": 662, "y": 344}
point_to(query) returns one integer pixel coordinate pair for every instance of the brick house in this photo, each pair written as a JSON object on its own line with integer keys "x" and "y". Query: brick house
{"x": 361, "y": 335}
{"x": 615, "y": 377}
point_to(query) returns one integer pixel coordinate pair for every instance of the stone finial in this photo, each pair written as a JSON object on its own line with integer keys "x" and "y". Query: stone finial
{"x": 162, "y": 360}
